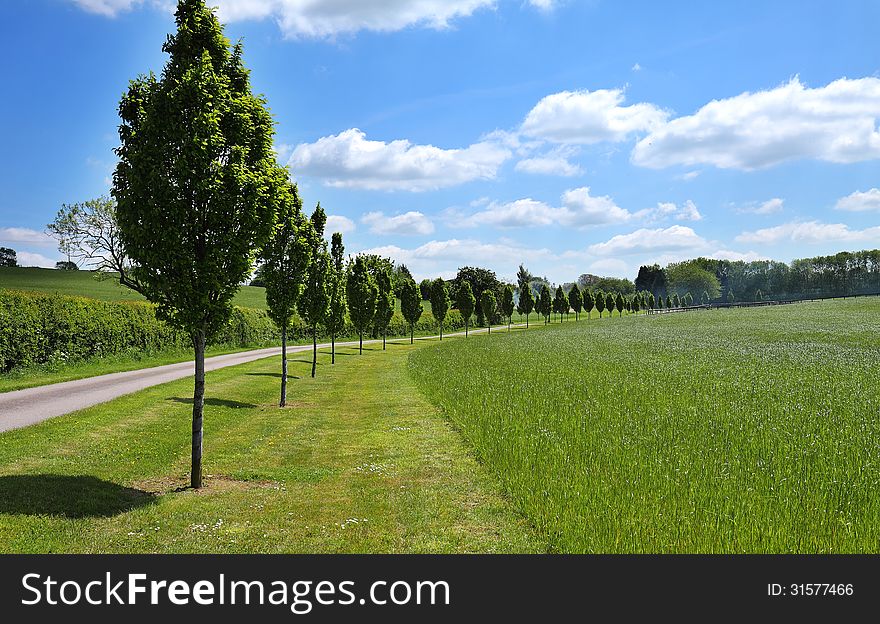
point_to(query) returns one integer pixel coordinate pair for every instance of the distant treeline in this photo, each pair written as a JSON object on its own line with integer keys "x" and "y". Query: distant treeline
{"x": 844, "y": 273}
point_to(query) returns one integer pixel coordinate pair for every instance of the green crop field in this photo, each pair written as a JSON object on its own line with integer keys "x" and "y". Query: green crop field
{"x": 746, "y": 430}
{"x": 85, "y": 284}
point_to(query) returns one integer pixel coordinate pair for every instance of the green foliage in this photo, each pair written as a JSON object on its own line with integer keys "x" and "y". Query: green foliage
{"x": 41, "y": 329}
{"x": 335, "y": 321}
{"x": 610, "y": 303}
{"x": 600, "y": 301}
{"x": 620, "y": 304}
{"x": 385, "y": 301}
{"x": 480, "y": 280}
{"x": 8, "y": 257}
{"x": 526, "y": 303}
{"x": 576, "y": 300}
{"x": 66, "y": 265}
{"x": 689, "y": 276}
{"x": 676, "y": 302}
{"x": 560, "y": 302}
{"x": 545, "y": 303}
{"x": 425, "y": 289}
{"x": 361, "y": 293}
{"x": 286, "y": 258}
{"x": 465, "y": 302}
{"x": 730, "y": 297}
{"x": 439, "y": 302}
{"x": 651, "y": 302}
{"x": 652, "y": 279}
{"x": 411, "y": 304}
{"x": 487, "y": 304}
{"x": 507, "y": 303}
{"x": 589, "y": 303}
{"x": 197, "y": 186}
{"x": 614, "y": 284}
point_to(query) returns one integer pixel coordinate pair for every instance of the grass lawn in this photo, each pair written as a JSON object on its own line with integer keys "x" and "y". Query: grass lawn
{"x": 744, "y": 430}
{"x": 359, "y": 462}
{"x": 85, "y": 284}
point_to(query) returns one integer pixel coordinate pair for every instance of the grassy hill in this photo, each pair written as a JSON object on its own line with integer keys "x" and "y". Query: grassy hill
{"x": 86, "y": 284}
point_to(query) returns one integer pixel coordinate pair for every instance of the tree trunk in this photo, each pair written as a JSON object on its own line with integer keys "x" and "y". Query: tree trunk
{"x": 198, "y": 409}
{"x": 283, "y": 401}
{"x": 314, "y": 349}
{"x": 384, "y": 335}
{"x": 361, "y": 344}
{"x": 465, "y": 329}
{"x": 412, "y": 331}
{"x": 333, "y": 348}
{"x": 441, "y": 330}
{"x": 527, "y": 321}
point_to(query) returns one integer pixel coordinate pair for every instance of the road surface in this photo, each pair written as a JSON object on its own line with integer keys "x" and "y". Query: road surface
{"x": 22, "y": 408}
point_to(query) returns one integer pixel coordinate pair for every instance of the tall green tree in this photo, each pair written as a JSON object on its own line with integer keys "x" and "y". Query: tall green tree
{"x": 384, "y": 303}
{"x": 651, "y": 301}
{"x": 411, "y": 306}
{"x": 600, "y": 302}
{"x": 545, "y": 301}
{"x": 526, "y": 303}
{"x": 465, "y": 302}
{"x": 487, "y": 305}
{"x": 676, "y": 301}
{"x": 314, "y": 303}
{"x": 560, "y": 302}
{"x": 285, "y": 260}
{"x": 197, "y": 185}
{"x": 8, "y": 257}
{"x": 439, "y": 302}
{"x": 335, "y": 322}
{"x": 507, "y": 305}
{"x": 589, "y": 303}
{"x": 361, "y": 293}
{"x": 610, "y": 303}
{"x": 576, "y": 300}
{"x": 425, "y": 289}
{"x": 620, "y": 304}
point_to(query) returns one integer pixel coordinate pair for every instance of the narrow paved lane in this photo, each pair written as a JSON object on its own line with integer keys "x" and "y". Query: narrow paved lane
{"x": 32, "y": 405}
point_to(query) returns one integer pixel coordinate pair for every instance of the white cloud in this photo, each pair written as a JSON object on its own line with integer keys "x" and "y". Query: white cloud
{"x": 28, "y": 259}
{"x": 338, "y": 223}
{"x": 579, "y": 209}
{"x": 544, "y": 5}
{"x": 668, "y": 210}
{"x": 687, "y": 177}
{"x": 108, "y": 8}
{"x": 26, "y": 235}
{"x": 836, "y": 123}
{"x": 583, "y": 117}
{"x": 609, "y": 267}
{"x": 408, "y": 223}
{"x": 810, "y": 232}
{"x": 748, "y": 256}
{"x": 867, "y": 201}
{"x": 636, "y": 68}
{"x": 321, "y": 18}
{"x": 770, "y": 206}
{"x": 676, "y": 237}
{"x": 549, "y": 164}
{"x": 350, "y": 160}
{"x": 444, "y": 257}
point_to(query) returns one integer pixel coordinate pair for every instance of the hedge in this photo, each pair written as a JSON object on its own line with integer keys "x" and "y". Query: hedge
{"x": 39, "y": 328}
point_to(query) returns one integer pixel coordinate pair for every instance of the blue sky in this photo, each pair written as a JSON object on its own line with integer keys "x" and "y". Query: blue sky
{"x": 573, "y": 136}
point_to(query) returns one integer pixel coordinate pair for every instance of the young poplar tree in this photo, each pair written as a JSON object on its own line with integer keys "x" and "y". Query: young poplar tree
{"x": 335, "y": 321}
{"x": 589, "y": 303}
{"x": 546, "y": 302}
{"x": 576, "y": 300}
{"x": 411, "y": 305}
{"x": 285, "y": 260}
{"x": 314, "y": 303}
{"x": 676, "y": 302}
{"x": 526, "y": 303}
{"x": 636, "y": 304}
{"x": 651, "y": 301}
{"x": 600, "y": 302}
{"x": 465, "y": 302}
{"x": 439, "y": 302}
{"x": 620, "y": 304}
{"x": 610, "y": 303}
{"x": 384, "y": 302}
{"x": 507, "y": 305}
{"x": 705, "y": 298}
{"x": 487, "y": 305}
{"x": 668, "y": 302}
{"x": 197, "y": 186}
{"x": 560, "y": 303}
{"x": 361, "y": 293}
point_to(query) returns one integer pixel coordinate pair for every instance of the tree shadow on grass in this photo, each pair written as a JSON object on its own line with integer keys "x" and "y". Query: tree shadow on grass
{"x": 214, "y": 402}
{"x": 79, "y": 496}
{"x": 276, "y": 375}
